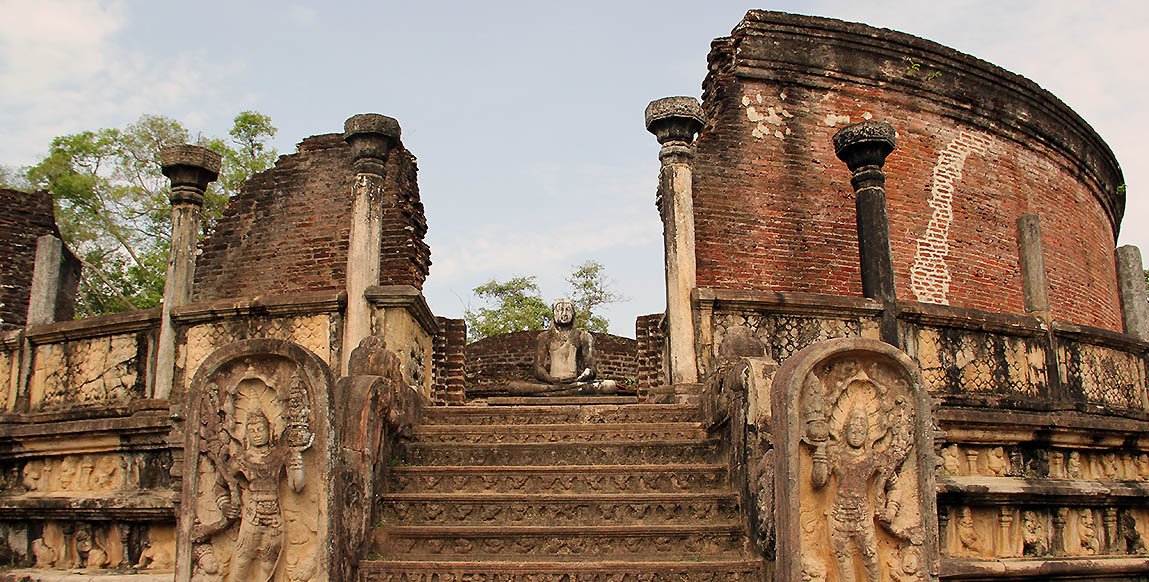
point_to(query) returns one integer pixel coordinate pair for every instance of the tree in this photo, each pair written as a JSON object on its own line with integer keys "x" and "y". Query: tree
{"x": 112, "y": 202}
{"x": 517, "y": 304}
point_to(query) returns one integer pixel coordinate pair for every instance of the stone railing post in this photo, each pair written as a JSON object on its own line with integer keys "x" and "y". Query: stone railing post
{"x": 1031, "y": 261}
{"x": 190, "y": 168}
{"x": 1131, "y": 288}
{"x": 864, "y": 147}
{"x": 371, "y": 137}
{"x": 675, "y": 121}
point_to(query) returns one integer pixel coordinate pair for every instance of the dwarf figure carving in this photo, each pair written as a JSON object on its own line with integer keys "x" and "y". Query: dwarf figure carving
{"x": 565, "y": 362}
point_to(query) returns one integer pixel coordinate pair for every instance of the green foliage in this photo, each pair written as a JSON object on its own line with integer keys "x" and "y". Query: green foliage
{"x": 517, "y": 304}
{"x": 112, "y": 202}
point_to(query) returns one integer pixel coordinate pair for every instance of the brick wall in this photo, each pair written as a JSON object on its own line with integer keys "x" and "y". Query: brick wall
{"x": 496, "y": 360}
{"x": 651, "y": 350}
{"x": 448, "y": 359}
{"x": 287, "y": 229}
{"x": 25, "y": 217}
{"x": 977, "y": 147}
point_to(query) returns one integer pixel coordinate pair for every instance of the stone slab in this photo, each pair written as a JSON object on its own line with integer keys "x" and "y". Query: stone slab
{"x": 559, "y": 400}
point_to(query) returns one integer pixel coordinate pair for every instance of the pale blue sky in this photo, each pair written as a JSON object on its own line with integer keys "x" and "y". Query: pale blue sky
{"x": 526, "y": 117}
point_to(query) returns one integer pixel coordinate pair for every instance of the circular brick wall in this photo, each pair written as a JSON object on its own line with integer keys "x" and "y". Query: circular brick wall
{"x": 977, "y": 148}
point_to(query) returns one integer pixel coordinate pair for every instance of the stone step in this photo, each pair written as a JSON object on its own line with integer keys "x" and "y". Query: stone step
{"x": 557, "y": 414}
{"x": 551, "y": 454}
{"x": 687, "y": 568}
{"x": 561, "y": 510}
{"x": 562, "y": 479}
{"x": 560, "y": 433}
{"x": 565, "y": 543}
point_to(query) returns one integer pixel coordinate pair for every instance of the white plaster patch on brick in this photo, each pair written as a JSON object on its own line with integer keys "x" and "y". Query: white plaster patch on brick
{"x": 763, "y": 116}
{"x": 929, "y": 275}
{"x": 867, "y": 116}
{"x": 831, "y": 120}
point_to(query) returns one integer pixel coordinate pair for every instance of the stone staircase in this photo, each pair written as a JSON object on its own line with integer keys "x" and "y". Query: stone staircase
{"x": 561, "y": 493}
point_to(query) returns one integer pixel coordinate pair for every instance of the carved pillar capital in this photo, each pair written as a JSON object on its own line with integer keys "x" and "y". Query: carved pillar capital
{"x": 372, "y": 137}
{"x": 190, "y": 168}
{"x": 675, "y": 121}
{"x": 864, "y": 144}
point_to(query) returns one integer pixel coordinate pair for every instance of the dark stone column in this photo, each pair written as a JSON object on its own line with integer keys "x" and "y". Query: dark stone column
{"x": 864, "y": 147}
{"x": 372, "y": 137}
{"x": 675, "y": 121}
{"x": 190, "y": 168}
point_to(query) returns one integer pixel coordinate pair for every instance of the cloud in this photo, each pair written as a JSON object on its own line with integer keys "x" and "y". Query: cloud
{"x": 63, "y": 70}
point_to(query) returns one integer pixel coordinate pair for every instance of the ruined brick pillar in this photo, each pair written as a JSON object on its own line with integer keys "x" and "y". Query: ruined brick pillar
{"x": 675, "y": 121}
{"x": 1131, "y": 288}
{"x": 190, "y": 168}
{"x": 371, "y": 137}
{"x": 864, "y": 147}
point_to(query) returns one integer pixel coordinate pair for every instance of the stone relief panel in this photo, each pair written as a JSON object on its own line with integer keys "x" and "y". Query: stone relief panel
{"x": 965, "y": 460}
{"x": 855, "y": 455}
{"x": 313, "y": 332}
{"x": 957, "y": 361}
{"x": 90, "y": 546}
{"x": 78, "y": 473}
{"x": 95, "y": 370}
{"x": 255, "y": 489}
{"x": 1037, "y": 531}
{"x": 785, "y": 334}
{"x": 1103, "y": 375}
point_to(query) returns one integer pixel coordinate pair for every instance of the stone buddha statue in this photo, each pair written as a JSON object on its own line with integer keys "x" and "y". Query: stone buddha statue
{"x": 564, "y": 360}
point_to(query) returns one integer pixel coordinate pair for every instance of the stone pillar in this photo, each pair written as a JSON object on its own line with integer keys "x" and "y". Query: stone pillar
{"x": 864, "y": 147}
{"x": 675, "y": 121}
{"x": 372, "y": 137}
{"x": 1131, "y": 287}
{"x": 46, "y": 280}
{"x": 1031, "y": 262}
{"x": 190, "y": 168}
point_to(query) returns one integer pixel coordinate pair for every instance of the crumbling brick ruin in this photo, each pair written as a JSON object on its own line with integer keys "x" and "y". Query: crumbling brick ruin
{"x": 899, "y": 345}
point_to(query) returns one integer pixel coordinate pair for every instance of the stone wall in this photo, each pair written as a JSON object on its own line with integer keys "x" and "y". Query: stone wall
{"x": 496, "y": 360}
{"x": 287, "y": 230}
{"x": 977, "y": 147}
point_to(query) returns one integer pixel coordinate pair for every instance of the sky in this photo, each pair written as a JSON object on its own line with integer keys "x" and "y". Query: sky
{"x": 526, "y": 117}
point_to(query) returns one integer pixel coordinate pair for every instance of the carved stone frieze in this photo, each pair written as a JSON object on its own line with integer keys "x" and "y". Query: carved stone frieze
{"x": 256, "y": 485}
{"x": 854, "y": 452}
{"x": 558, "y": 509}
{"x": 589, "y": 542}
{"x": 558, "y": 479}
{"x": 740, "y": 571}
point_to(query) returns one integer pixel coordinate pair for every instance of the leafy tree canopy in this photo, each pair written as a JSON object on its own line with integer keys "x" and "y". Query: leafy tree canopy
{"x": 112, "y": 201}
{"x": 517, "y": 304}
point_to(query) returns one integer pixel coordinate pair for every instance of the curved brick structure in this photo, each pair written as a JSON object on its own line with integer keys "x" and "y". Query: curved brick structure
{"x": 977, "y": 148}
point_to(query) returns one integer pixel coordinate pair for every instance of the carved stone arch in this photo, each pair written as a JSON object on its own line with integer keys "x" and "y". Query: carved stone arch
{"x": 257, "y": 445}
{"x": 855, "y": 485}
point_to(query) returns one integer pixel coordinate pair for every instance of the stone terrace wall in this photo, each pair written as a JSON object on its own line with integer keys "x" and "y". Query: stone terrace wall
{"x": 977, "y": 148}
{"x": 24, "y": 217}
{"x": 651, "y": 351}
{"x": 287, "y": 230}
{"x": 499, "y": 359}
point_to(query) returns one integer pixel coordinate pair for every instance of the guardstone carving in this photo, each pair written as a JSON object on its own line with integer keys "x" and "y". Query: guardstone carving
{"x": 256, "y": 469}
{"x": 854, "y": 450}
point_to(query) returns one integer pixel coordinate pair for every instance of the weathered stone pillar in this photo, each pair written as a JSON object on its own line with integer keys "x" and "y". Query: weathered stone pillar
{"x": 1131, "y": 287}
{"x": 54, "y": 277}
{"x": 372, "y": 137}
{"x": 190, "y": 168}
{"x": 864, "y": 147}
{"x": 1031, "y": 262}
{"x": 675, "y": 121}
